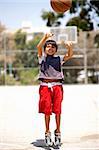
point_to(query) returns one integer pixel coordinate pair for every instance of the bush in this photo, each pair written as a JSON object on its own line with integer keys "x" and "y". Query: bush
{"x": 28, "y": 77}
{"x": 2, "y": 80}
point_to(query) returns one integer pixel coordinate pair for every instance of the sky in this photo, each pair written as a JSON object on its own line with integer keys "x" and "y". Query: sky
{"x": 14, "y": 12}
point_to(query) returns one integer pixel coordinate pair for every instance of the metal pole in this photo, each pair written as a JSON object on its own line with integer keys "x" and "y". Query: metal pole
{"x": 5, "y": 66}
{"x": 85, "y": 59}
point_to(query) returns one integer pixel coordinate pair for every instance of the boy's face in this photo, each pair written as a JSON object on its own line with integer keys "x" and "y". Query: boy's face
{"x": 50, "y": 49}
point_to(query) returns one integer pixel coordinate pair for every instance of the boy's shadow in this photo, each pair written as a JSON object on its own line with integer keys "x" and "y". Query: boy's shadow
{"x": 41, "y": 143}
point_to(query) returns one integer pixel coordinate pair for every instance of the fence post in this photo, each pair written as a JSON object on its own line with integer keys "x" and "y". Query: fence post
{"x": 85, "y": 59}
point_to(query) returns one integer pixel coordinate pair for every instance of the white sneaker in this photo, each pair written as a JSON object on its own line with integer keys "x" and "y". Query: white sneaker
{"x": 57, "y": 139}
{"x": 48, "y": 140}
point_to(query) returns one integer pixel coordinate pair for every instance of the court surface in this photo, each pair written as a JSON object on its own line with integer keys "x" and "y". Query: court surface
{"x": 22, "y": 128}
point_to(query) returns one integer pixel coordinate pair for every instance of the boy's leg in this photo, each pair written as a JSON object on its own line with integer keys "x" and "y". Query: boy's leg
{"x": 57, "y": 132}
{"x": 48, "y": 140}
{"x": 58, "y": 119}
{"x": 57, "y": 100}
{"x": 47, "y": 123}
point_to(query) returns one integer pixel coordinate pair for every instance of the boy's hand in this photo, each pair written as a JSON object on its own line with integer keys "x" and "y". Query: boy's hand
{"x": 69, "y": 44}
{"x": 48, "y": 35}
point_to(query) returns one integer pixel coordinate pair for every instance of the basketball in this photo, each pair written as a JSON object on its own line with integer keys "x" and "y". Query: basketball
{"x": 61, "y": 6}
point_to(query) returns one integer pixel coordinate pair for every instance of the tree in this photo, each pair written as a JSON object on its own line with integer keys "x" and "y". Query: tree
{"x": 82, "y": 9}
{"x": 20, "y": 40}
{"x": 28, "y": 56}
{"x": 52, "y": 18}
{"x": 95, "y": 5}
{"x": 84, "y": 16}
{"x": 32, "y": 44}
{"x": 2, "y": 28}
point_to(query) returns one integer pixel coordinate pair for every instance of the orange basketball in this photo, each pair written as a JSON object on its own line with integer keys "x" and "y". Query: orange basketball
{"x": 61, "y": 6}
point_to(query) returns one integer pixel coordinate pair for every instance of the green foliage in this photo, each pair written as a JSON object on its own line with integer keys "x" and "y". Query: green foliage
{"x": 26, "y": 59}
{"x": 24, "y": 77}
{"x": 74, "y": 22}
{"x": 28, "y": 77}
{"x": 52, "y": 18}
{"x": 20, "y": 40}
{"x": 9, "y": 80}
{"x": 85, "y": 7}
{"x": 82, "y": 7}
{"x": 33, "y": 43}
{"x": 2, "y": 79}
{"x": 84, "y": 13}
{"x": 80, "y": 24}
{"x": 95, "y": 5}
{"x": 1, "y": 64}
{"x": 83, "y": 24}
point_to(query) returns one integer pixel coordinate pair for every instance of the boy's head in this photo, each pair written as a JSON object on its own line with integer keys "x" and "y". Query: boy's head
{"x": 50, "y": 47}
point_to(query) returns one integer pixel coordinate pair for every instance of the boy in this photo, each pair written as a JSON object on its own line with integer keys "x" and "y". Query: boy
{"x": 51, "y": 90}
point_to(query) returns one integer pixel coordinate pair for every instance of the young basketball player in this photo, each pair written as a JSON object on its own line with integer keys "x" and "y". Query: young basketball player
{"x": 51, "y": 90}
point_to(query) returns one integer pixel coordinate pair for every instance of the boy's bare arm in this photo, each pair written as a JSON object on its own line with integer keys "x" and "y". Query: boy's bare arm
{"x": 41, "y": 43}
{"x": 69, "y": 53}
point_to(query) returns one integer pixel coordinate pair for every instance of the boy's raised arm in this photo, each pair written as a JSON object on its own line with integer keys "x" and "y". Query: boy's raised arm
{"x": 41, "y": 43}
{"x": 69, "y": 53}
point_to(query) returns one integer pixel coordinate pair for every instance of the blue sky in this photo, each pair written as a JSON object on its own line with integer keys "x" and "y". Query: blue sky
{"x": 13, "y": 12}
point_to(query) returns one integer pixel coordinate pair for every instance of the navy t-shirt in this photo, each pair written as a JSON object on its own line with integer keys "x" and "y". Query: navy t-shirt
{"x": 50, "y": 67}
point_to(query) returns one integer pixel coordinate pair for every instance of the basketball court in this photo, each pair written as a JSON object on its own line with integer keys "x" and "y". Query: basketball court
{"x": 22, "y": 127}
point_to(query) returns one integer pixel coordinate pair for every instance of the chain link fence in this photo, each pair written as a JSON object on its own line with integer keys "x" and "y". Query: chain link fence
{"x": 20, "y": 67}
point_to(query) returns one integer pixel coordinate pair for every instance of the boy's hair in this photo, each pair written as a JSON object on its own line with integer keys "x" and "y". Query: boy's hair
{"x": 52, "y": 42}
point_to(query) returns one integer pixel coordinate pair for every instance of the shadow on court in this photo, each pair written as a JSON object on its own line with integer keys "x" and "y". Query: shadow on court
{"x": 41, "y": 143}
{"x": 90, "y": 142}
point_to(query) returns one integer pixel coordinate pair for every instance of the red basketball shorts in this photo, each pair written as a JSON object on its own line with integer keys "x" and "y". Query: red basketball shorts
{"x": 50, "y": 99}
